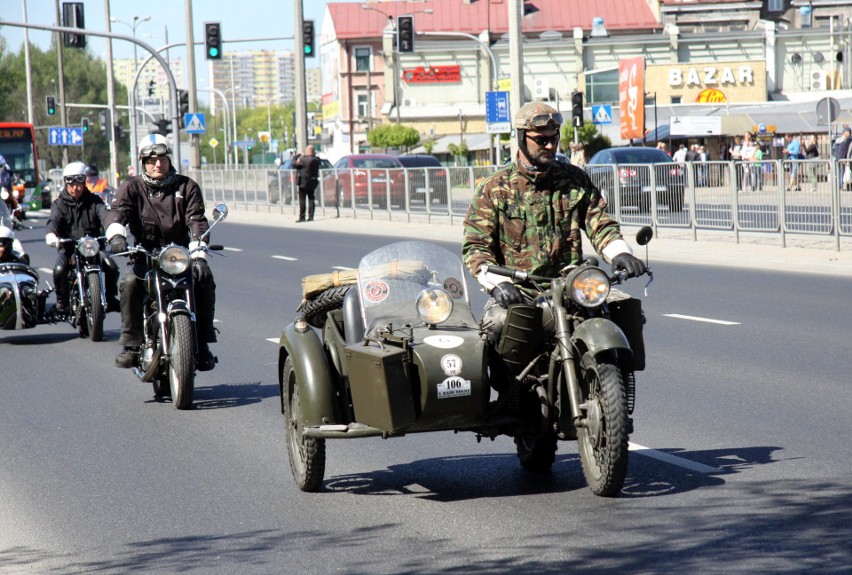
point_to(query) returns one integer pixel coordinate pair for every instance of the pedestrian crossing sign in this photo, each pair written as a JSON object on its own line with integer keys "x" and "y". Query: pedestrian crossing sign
{"x": 194, "y": 123}
{"x": 602, "y": 114}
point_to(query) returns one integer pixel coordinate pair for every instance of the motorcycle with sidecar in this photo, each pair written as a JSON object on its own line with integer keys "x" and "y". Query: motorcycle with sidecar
{"x": 401, "y": 352}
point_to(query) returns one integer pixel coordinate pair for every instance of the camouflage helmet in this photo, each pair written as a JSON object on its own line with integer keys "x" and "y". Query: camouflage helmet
{"x": 537, "y": 115}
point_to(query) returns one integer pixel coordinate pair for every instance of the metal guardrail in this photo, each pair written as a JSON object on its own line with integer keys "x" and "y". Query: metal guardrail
{"x": 780, "y": 197}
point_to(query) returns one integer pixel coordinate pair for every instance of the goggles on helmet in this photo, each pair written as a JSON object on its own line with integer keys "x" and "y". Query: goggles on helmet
{"x": 542, "y": 120}
{"x": 75, "y": 179}
{"x": 154, "y": 151}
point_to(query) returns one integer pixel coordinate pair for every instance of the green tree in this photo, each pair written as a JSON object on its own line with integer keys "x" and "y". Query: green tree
{"x": 588, "y": 135}
{"x": 85, "y": 83}
{"x": 393, "y": 136}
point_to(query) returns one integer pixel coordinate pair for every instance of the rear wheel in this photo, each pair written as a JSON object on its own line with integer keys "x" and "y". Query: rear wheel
{"x": 603, "y": 440}
{"x": 306, "y": 454}
{"x": 181, "y": 362}
{"x": 95, "y": 313}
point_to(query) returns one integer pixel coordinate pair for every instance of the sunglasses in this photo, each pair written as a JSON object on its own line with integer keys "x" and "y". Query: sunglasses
{"x": 75, "y": 179}
{"x": 544, "y": 140}
{"x": 154, "y": 151}
{"x": 543, "y": 120}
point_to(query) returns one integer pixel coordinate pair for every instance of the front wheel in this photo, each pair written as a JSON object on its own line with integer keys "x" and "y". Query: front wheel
{"x": 94, "y": 308}
{"x": 181, "y": 362}
{"x": 603, "y": 440}
{"x": 306, "y": 454}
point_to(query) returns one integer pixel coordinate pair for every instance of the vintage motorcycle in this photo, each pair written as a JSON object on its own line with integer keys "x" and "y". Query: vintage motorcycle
{"x": 13, "y": 197}
{"x": 401, "y": 352}
{"x": 169, "y": 356}
{"x": 87, "y": 289}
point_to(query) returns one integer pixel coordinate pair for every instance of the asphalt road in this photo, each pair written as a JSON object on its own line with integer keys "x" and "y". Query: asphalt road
{"x": 740, "y": 461}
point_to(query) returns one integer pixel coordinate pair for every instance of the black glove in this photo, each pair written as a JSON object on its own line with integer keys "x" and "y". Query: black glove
{"x": 201, "y": 271}
{"x": 505, "y": 294}
{"x": 629, "y": 263}
{"x": 117, "y": 244}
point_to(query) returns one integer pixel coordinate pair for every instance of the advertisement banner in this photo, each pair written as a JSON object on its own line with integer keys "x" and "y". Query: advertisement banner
{"x": 631, "y": 97}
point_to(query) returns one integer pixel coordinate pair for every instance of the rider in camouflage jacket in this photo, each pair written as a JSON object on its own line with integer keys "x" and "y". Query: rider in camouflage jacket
{"x": 529, "y": 214}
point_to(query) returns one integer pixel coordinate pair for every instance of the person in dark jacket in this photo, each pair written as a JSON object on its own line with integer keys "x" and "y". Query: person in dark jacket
{"x": 308, "y": 166}
{"x": 160, "y": 207}
{"x": 76, "y": 213}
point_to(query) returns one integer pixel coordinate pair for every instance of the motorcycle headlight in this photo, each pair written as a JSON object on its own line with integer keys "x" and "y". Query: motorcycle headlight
{"x": 4, "y": 194}
{"x": 88, "y": 247}
{"x": 589, "y": 287}
{"x": 174, "y": 260}
{"x": 434, "y": 305}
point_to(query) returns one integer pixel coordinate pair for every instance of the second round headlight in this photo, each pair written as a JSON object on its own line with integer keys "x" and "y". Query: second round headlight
{"x": 589, "y": 287}
{"x": 174, "y": 260}
{"x": 434, "y": 305}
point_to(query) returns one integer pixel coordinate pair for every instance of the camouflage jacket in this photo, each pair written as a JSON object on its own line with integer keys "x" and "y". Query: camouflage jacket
{"x": 532, "y": 222}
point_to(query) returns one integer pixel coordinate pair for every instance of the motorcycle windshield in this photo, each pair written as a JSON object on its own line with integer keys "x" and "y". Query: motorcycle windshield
{"x": 391, "y": 278}
{"x": 5, "y": 216}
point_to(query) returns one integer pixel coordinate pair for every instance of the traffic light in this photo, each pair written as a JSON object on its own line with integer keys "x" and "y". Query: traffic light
{"x": 162, "y": 127}
{"x": 183, "y": 100}
{"x": 151, "y": 87}
{"x": 213, "y": 40}
{"x": 405, "y": 34}
{"x": 51, "y": 105}
{"x": 308, "y": 38}
{"x": 85, "y": 123}
{"x": 117, "y": 131}
{"x": 72, "y": 17}
{"x": 577, "y": 108}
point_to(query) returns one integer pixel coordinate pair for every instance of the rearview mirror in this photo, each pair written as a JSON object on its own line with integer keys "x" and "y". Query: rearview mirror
{"x": 220, "y": 212}
{"x": 644, "y": 235}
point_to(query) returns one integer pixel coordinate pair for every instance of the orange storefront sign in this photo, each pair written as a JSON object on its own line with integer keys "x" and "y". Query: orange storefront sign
{"x": 432, "y": 74}
{"x": 631, "y": 97}
{"x": 711, "y": 96}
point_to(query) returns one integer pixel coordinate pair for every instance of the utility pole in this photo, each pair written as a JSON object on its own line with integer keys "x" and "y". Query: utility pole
{"x": 516, "y": 63}
{"x": 61, "y": 82}
{"x": 113, "y": 146}
{"x": 194, "y": 139}
{"x": 301, "y": 91}
{"x": 30, "y": 112}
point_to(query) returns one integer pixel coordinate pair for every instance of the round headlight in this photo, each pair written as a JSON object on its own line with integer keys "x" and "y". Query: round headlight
{"x": 174, "y": 260}
{"x": 589, "y": 287}
{"x": 4, "y": 194}
{"x": 434, "y": 305}
{"x": 88, "y": 246}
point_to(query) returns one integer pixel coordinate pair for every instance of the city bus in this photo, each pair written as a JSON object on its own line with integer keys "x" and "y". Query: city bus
{"x": 18, "y": 147}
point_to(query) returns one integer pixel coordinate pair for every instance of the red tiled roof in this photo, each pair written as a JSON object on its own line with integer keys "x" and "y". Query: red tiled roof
{"x": 351, "y": 20}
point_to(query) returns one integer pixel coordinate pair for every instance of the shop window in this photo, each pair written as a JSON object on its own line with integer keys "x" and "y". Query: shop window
{"x": 602, "y": 87}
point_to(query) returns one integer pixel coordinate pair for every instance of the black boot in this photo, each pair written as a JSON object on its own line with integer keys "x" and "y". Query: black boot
{"x": 206, "y": 359}
{"x": 127, "y": 357}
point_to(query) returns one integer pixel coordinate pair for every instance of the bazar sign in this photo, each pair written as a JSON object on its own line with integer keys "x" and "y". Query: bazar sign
{"x": 711, "y": 76}
{"x": 432, "y": 74}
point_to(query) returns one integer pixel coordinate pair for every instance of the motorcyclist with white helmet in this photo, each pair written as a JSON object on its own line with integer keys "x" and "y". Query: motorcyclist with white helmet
{"x": 11, "y": 250}
{"x": 160, "y": 207}
{"x": 76, "y": 213}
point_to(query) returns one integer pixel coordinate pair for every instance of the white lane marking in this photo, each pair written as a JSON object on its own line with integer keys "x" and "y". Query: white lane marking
{"x": 233, "y": 249}
{"x": 671, "y": 459}
{"x": 704, "y": 319}
{"x": 274, "y": 339}
{"x": 343, "y": 268}
{"x": 285, "y": 258}
{"x": 217, "y": 320}
{"x": 45, "y": 270}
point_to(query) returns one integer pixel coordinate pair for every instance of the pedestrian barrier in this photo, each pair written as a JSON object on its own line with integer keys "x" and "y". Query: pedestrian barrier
{"x": 780, "y": 197}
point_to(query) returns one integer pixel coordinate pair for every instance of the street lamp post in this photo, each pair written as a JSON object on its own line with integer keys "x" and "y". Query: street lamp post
{"x": 231, "y": 139}
{"x": 134, "y": 116}
{"x": 233, "y": 91}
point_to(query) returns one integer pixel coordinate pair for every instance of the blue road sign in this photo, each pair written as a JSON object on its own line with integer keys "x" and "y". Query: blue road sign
{"x": 59, "y": 136}
{"x": 244, "y": 143}
{"x": 497, "y": 113}
{"x": 194, "y": 123}
{"x": 602, "y": 114}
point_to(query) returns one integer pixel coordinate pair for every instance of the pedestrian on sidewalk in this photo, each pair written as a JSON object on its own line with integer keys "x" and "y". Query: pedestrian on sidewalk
{"x": 308, "y": 165}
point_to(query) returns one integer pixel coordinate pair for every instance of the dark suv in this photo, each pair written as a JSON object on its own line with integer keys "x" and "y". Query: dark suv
{"x": 423, "y": 168}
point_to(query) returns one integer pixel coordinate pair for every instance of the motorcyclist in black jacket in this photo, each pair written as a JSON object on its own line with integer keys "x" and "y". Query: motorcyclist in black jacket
{"x": 160, "y": 207}
{"x": 77, "y": 213}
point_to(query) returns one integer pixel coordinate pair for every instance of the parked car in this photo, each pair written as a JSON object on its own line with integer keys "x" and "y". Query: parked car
{"x": 633, "y": 169}
{"x": 285, "y": 178}
{"x": 423, "y": 168}
{"x": 366, "y": 179}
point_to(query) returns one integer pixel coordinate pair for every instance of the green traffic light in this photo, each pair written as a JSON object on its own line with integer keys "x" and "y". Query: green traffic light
{"x": 308, "y": 50}
{"x": 213, "y": 52}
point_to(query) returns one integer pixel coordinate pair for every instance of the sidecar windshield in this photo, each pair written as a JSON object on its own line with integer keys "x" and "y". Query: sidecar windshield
{"x": 5, "y": 216}
{"x": 391, "y": 278}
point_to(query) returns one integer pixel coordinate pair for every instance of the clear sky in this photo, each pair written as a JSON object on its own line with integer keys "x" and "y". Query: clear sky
{"x": 240, "y": 20}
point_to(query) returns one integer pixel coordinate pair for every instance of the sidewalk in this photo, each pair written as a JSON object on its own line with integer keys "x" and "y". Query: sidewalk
{"x": 807, "y": 254}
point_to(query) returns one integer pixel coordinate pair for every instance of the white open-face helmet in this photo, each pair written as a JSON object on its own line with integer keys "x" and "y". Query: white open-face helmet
{"x": 74, "y": 169}
{"x": 154, "y": 145}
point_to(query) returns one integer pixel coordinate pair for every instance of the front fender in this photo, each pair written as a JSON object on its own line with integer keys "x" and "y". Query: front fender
{"x": 313, "y": 373}
{"x": 598, "y": 335}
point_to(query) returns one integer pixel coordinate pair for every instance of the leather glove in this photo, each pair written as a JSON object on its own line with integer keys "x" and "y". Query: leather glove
{"x": 118, "y": 244}
{"x": 629, "y": 263}
{"x": 505, "y": 294}
{"x": 201, "y": 271}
